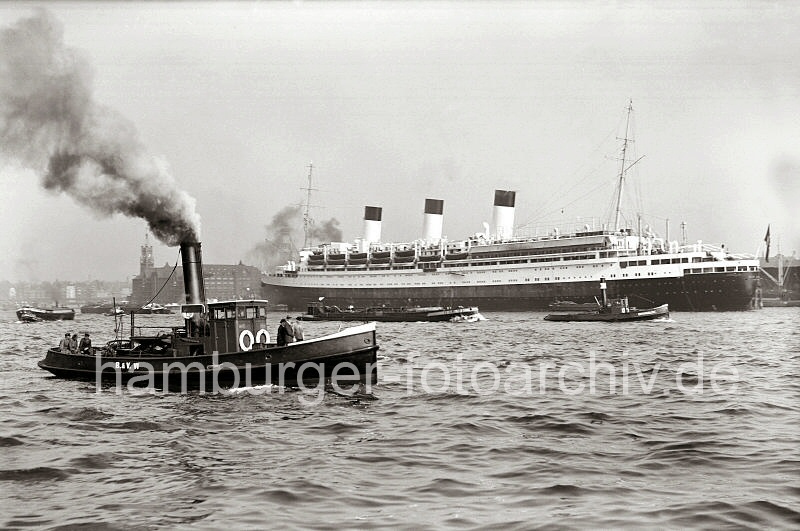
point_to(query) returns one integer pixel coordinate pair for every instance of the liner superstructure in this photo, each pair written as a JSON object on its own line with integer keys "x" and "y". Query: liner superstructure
{"x": 497, "y": 271}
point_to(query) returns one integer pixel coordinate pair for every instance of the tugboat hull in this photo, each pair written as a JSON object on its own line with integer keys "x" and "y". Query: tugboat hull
{"x": 346, "y": 356}
{"x": 660, "y": 312}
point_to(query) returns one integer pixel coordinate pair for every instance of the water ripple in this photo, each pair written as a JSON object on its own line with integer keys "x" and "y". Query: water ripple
{"x": 403, "y": 456}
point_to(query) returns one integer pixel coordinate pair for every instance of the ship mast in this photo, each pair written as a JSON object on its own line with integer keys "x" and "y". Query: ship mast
{"x": 622, "y": 166}
{"x": 307, "y": 221}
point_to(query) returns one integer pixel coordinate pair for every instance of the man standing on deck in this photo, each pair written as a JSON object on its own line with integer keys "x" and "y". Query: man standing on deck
{"x": 284, "y": 333}
{"x": 297, "y": 329}
{"x": 289, "y": 329}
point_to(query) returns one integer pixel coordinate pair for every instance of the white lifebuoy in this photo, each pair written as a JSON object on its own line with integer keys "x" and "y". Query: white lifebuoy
{"x": 264, "y": 333}
{"x": 244, "y": 334}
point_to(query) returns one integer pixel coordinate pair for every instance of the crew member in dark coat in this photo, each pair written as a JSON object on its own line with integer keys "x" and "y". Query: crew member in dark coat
{"x": 85, "y": 346}
{"x": 285, "y": 334}
{"x": 73, "y": 344}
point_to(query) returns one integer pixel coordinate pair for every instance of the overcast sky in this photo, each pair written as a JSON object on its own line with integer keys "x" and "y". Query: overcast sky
{"x": 396, "y": 102}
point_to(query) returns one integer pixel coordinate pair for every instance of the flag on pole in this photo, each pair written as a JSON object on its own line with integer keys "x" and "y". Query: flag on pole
{"x": 766, "y": 239}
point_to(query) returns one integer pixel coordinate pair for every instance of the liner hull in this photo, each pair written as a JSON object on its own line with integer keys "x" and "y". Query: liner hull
{"x": 697, "y": 292}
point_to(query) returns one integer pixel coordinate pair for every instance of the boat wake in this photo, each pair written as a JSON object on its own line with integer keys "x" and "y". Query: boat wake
{"x": 472, "y": 318}
{"x": 252, "y": 389}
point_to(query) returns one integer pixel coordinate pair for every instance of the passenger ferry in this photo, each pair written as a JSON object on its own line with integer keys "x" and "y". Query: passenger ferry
{"x": 496, "y": 270}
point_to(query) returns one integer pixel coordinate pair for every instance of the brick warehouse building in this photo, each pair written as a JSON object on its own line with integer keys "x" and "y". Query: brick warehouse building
{"x": 222, "y": 282}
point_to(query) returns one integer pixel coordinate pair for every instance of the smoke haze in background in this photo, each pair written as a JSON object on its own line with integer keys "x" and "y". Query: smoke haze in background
{"x": 284, "y": 234}
{"x": 50, "y": 124}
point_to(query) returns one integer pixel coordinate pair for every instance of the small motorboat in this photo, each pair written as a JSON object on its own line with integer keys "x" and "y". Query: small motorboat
{"x": 612, "y": 310}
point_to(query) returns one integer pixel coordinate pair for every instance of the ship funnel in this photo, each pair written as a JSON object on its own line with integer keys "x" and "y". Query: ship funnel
{"x": 503, "y": 214}
{"x": 192, "y": 262}
{"x": 432, "y": 224}
{"x": 372, "y": 224}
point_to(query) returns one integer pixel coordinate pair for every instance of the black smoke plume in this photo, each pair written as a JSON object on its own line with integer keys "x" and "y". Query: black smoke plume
{"x": 329, "y": 231}
{"x": 284, "y": 234}
{"x": 50, "y": 123}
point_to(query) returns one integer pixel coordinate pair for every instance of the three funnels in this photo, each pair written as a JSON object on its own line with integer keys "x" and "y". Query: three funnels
{"x": 503, "y": 214}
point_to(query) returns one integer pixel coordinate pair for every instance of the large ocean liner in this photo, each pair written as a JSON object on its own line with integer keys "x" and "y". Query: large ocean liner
{"x": 497, "y": 270}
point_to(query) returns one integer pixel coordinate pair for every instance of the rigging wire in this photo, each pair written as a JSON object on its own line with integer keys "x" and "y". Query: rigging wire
{"x": 542, "y": 215}
{"x": 165, "y": 281}
{"x": 551, "y": 205}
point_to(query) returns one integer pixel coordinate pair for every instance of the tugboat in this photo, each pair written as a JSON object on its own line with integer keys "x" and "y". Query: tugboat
{"x": 221, "y": 343}
{"x": 614, "y": 310}
{"x": 318, "y": 312}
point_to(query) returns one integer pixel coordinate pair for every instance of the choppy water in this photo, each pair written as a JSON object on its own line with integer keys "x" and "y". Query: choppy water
{"x": 421, "y": 449}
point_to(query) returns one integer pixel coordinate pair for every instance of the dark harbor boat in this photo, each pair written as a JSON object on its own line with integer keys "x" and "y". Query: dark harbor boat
{"x": 613, "y": 310}
{"x": 319, "y": 312}
{"x": 57, "y": 313}
{"x": 222, "y": 343}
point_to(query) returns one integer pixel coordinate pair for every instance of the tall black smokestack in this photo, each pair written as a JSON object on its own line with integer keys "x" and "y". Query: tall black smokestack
{"x": 193, "y": 284}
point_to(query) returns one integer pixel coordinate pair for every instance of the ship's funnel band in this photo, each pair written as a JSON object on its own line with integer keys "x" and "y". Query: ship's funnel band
{"x": 434, "y": 206}
{"x": 432, "y": 223}
{"x": 372, "y": 224}
{"x": 192, "y": 261}
{"x": 372, "y": 213}
{"x": 504, "y": 198}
